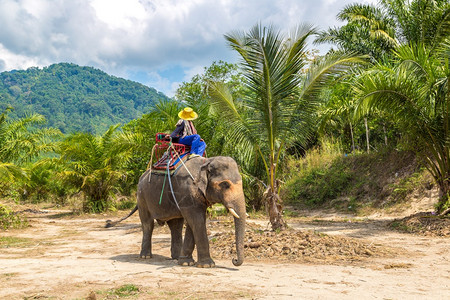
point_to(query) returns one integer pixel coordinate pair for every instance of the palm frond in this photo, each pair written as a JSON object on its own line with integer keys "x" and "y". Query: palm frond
{"x": 323, "y": 69}
{"x": 10, "y": 172}
{"x": 239, "y": 132}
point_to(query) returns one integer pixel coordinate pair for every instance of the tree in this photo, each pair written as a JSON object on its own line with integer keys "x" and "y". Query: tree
{"x": 138, "y": 137}
{"x": 377, "y": 29}
{"x": 74, "y": 98}
{"x": 367, "y": 31}
{"x": 415, "y": 92}
{"x": 195, "y": 94}
{"x": 337, "y": 112}
{"x": 93, "y": 164}
{"x": 21, "y": 141}
{"x": 275, "y": 112}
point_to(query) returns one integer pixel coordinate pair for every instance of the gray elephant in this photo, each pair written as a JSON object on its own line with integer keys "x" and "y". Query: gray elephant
{"x": 203, "y": 181}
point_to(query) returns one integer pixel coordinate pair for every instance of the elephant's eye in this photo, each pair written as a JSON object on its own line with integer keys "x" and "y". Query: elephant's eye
{"x": 224, "y": 185}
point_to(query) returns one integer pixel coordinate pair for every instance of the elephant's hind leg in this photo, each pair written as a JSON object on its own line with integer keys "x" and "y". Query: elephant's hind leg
{"x": 147, "y": 230}
{"x": 176, "y": 230}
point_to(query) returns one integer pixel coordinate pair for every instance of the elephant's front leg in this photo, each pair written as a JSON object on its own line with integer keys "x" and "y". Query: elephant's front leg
{"x": 188, "y": 247}
{"x": 176, "y": 231}
{"x": 197, "y": 235}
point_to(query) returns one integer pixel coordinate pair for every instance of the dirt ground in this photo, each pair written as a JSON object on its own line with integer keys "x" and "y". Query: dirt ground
{"x": 65, "y": 256}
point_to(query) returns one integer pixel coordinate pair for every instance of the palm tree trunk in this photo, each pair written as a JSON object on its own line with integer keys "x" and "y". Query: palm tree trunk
{"x": 273, "y": 201}
{"x": 444, "y": 186}
{"x": 353, "y": 139}
{"x": 367, "y": 135}
{"x": 443, "y": 206}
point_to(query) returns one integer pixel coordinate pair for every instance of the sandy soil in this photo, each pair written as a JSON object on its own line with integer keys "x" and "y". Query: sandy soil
{"x": 61, "y": 256}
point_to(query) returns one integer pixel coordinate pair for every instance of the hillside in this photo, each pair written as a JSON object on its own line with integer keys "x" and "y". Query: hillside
{"x": 75, "y": 98}
{"x": 388, "y": 181}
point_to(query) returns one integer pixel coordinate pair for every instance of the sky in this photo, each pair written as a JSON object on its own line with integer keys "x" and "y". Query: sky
{"x": 159, "y": 43}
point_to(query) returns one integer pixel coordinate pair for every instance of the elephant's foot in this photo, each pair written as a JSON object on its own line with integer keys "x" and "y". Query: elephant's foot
{"x": 207, "y": 263}
{"x": 145, "y": 254}
{"x": 175, "y": 254}
{"x": 186, "y": 261}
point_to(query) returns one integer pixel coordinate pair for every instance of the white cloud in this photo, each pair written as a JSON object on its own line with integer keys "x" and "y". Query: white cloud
{"x": 119, "y": 14}
{"x": 146, "y": 35}
{"x": 10, "y": 60}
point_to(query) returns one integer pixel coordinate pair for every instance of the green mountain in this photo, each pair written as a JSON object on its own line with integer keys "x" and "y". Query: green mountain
{"x": 75, "y": 98}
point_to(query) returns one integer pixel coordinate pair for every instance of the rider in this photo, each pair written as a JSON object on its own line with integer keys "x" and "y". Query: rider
{"x": 186, "y": 134}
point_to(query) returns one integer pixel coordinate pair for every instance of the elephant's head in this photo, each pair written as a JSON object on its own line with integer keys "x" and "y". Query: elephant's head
{"x": 220, "y": 182}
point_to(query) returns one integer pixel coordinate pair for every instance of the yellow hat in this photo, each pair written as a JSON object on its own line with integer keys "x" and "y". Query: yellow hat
{"x": 188, "y": 114}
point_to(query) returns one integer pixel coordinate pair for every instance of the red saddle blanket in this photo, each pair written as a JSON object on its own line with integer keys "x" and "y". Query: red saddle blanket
{"x": 169, "y": 153}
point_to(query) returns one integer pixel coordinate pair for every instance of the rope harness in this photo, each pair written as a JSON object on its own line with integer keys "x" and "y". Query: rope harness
{"x": 167, "y": 174}
{"x": 171, "y": 189}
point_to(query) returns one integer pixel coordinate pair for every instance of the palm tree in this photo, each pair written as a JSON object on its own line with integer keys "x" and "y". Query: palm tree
{"x": 377, "y": 30}
{"x": 419, "y": 21}
{"x": 276, "y": 111}
{"x": 368, "y": 31}
{"x": 338, "y": 112}
{"x": 138, "y": 136}
{"x": 415, "y": 92}
{"x": 21, "y": 141}
{"x": 93, "y": 164}
{"x": 195, "y": 94}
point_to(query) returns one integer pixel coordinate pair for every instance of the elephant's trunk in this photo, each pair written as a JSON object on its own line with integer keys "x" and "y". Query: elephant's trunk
{"x": 239, "y": 224}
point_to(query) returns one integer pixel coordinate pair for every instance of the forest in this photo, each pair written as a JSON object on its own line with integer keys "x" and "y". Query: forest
{"x": 74, "y": 135}
{"x": 74, "y": 98}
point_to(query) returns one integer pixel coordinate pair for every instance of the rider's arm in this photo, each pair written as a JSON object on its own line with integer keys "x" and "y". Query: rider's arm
{"x": 178, "y": 131}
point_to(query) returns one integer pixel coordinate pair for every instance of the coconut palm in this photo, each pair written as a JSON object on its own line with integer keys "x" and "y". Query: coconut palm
{"x": 276, "y": 112}
{"x": 415, "y": 92}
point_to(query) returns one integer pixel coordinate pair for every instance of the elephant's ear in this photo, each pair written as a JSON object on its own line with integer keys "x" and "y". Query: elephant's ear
{"x": 202, "y": 178}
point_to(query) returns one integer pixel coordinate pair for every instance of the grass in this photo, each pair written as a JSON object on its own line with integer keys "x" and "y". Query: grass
{"x": 290, "y": 213}
{"x": 217, "y": 210}
{"x": 313, "y": 186}
{"x": 124, "y": 291}
{"x": 8, "y": 219}
{"x": 125, "y": 204}
{"x": 397, "y": 225}
{"x": 356, "y": 183}
{"x": 17, "y": 242}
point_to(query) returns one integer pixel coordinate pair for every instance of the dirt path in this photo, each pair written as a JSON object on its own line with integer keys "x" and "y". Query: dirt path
{"x": 71, "y": 257}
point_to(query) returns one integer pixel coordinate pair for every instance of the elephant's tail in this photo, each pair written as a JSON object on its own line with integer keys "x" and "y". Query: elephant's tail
{"x": 110, "y": 223}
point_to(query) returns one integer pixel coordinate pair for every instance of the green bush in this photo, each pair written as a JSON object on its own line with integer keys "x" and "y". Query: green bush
{"x": 126, "y": 203}
{"x": 9, "y": 220}
{"x": 354, "y": 182}
{"x": 407, "y": 185}
{"x": 318, "y": 185}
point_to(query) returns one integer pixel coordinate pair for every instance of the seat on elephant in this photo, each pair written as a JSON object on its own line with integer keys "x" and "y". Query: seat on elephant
{"x": 167, "y": 153}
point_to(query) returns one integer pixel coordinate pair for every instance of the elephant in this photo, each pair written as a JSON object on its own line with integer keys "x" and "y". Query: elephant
{"x": 197, "y": 184}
